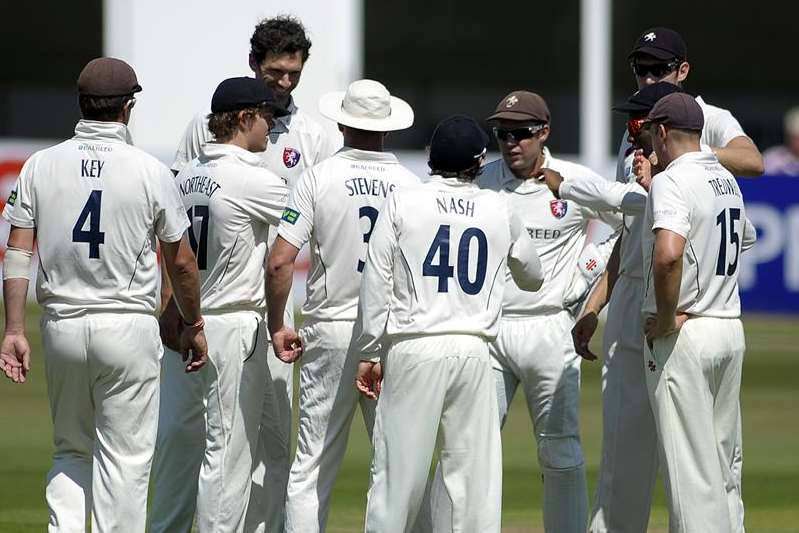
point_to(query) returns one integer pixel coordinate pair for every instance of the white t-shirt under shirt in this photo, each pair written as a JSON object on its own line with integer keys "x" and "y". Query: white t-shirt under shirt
{"x": 98, "y": 204}
{"x": 334, "y": 206}
{"x": 231, "y": 201}
{"x": 437, "y": 261}
{"x": 296, "y": 142}
{"x": 557, "y": 227}
{"x": 697, "y": 198}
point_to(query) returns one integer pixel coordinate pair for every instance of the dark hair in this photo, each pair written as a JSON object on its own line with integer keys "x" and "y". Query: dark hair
{"x": 283, "y": 34}
{"x": 225, "y": 124}
{"x": 103, "y": 108}
{"x": 469, "y": 174}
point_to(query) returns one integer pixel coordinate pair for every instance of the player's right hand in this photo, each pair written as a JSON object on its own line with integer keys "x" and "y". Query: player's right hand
{"x": 582, "y": 332}
{"x": 287, "y": 344}
{"x": 193, "y": 348}
{"x": 15, "y": 357}
{"x": 642, "y": 168}
{"x": 369, "y": 380}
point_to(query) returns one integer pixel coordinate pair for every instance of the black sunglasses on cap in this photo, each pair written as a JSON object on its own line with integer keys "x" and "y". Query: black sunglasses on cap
{"x": 658, "y": 70}
{"x": 518, "y": 134}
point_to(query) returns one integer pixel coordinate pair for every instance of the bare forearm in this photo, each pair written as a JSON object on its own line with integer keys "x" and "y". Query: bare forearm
{"x": 166, "y": 288}
{"x": 741, "y": 160}
{"x": 667, "y": 275}
{"x": 185, "y": 281}
{"x": 278, "y": 286}
{"x": 15, "y": 291}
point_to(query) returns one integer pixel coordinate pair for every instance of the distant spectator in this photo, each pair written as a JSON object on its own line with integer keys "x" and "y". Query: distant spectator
{"x": 784, "y": 159}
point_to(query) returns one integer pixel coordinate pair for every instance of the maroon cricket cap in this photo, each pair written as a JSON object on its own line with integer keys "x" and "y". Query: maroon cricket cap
{"x": 107, "y": 76}
{"x": 521, "y": 106}
{"x": 678, "y": 110}
{"x": 660, "y": 43}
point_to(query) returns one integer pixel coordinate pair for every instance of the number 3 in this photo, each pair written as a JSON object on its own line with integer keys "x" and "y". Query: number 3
{"x": 371, "y": 213}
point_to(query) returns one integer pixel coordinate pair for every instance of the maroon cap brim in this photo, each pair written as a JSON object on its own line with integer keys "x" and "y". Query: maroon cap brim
{"x": 515, "y": 115}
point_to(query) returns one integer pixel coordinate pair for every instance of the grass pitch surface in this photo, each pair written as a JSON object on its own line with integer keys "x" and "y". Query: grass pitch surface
{"x": 770, "y": 398}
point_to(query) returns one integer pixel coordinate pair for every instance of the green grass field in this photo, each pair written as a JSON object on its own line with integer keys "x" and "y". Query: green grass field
{"x": 771, "y": 443}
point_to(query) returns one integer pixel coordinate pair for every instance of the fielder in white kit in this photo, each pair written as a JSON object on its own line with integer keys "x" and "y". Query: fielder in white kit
{"x": 334, "y": 206}
{"x": 279, "y": 49}
{"x": 97, "y": 206}
{"x": 533, "y": 347}
{"x": 431, "y": 296}
{"x": 693, "y": 236}
{"x": 232, "y": 201}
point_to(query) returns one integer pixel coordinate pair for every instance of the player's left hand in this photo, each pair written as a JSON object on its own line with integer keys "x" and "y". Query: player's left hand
{"x": 656, "y": 329}
{"x": 287, "y": 344}
{"x": 642, "y": 168}
{"x": 15, "y": 357}
{"x": 369, "y": 380}
{"x": 552, "y": 179}
{"x": 170, "y": 325}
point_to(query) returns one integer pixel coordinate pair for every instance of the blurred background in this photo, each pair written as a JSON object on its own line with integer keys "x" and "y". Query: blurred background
{"x": 443, "y": 57}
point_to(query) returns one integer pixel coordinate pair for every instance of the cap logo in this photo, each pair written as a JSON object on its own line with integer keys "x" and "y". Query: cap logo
{"x": 650, "y": 37}
{"x": 511, "y": 101}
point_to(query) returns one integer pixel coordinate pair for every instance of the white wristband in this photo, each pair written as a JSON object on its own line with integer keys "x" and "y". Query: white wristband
{"x": 17, "y": 264}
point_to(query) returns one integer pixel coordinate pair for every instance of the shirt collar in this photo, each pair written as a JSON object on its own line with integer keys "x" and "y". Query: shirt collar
{"x": 95, "y": 130}
{"x": 453, "y": 182}
{"x": 367, "y": 155}
{"x": 282, "y": 124}
{"x": 703, "y": 158}
{"x": 214, "y": 150}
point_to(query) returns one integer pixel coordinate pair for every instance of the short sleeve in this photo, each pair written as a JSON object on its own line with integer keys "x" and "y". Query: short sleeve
{"x": 669, "y": 209}
{"x": 20, "y": 210}
{"x": 194, "y": 137}
{"x": 266, "y": 198}
{"x": 170, "y": 216}
{"x": 296, "y": 224}
{"x": 721, "y": 127}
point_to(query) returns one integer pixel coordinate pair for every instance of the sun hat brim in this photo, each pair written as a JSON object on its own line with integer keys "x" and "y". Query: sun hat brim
{"x": 401, "y": 117}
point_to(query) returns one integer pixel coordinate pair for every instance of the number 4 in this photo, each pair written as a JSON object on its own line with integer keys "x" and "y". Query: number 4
{"x": 93, "y": 236}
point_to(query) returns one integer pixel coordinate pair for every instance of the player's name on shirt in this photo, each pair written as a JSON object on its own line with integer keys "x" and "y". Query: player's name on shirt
{"x": 369, "y": 187}
{"x": 91, "y": 168}
{"x": 450, "y": 205}
{"x": 724, "y": 186}
{"x": 198, "y": 184}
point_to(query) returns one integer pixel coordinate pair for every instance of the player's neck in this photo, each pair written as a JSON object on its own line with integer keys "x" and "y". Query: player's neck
{"x": 239, "y": 140}
{"x": 677, "y": 149}
{"x": 527, "y": 173}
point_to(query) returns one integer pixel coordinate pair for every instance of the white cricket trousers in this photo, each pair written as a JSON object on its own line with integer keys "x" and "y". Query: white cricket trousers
{"x": 430, "y": 384}
{"x": 102, "y": 381}
{"x": 629, "y": 463}
{"x": 694, "y": 383}
{"x": 266, "y": 510}
{"x": 328, "y": 399}
{"x": 209, "y": 429}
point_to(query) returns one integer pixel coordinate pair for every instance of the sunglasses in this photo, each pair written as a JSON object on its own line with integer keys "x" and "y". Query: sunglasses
{"x": 657, "y": 70}
{"x": 518, "y": 134}
{"x": 635, "y": 125}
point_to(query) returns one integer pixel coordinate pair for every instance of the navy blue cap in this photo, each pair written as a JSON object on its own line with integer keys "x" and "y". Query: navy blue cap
{"x": 235, "y": 94}
{"x": 645, "y": 99}
{"x": 457, "y": 144}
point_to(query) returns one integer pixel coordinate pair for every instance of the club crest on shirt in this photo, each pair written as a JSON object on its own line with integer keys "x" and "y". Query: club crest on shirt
{"x": 291, "y": 157}
{"x": 558, "y": 208}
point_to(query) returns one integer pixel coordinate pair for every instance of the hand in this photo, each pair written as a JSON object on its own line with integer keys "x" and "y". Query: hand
{"x": 170, "y": 325}
{"x": 287, "y": 344}
{"x": 582, "y": 332}
{"x": 369, "y": 380}
{"x": 193, "y": 348}
{"x": 552, "y": 179}
{"x": 655, "y": 329}
{"x": 642, "y": 168}
{"x": 15, "y": 357}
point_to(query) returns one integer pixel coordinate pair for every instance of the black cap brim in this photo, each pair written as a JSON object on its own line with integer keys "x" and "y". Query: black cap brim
{"x": 632, "y": 107}
{"x": 657, "y": 53}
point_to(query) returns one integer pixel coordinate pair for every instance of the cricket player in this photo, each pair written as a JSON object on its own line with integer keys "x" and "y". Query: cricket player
{"x": 334, "y": 206}
{"x": 231, "y": 201}
{"x": 694, "y": 232}
{"x": 432, "y": 294}
{"x": 97, "y": 207}
{"x": 629, "y": 466}
{"x": 279, "y": 50}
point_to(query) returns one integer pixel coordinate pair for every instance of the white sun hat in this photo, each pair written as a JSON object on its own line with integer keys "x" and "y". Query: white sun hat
{"x": 367, "y": 105}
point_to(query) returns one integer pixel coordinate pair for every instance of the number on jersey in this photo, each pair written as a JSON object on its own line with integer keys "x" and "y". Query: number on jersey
{"x": 199, "y": 246}
{"x": 371, "y": 213}
{"x": 722, "y": 268}
{"x": 443, "y": 270}
{"x": 93, "y": 235}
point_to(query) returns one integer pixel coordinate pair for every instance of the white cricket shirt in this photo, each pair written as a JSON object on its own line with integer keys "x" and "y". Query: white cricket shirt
{"x": 334, "y": 206}
{"x": 231, "y": 202}
{"x": 719, "y": 129}
{"x": 98, "y": 204}
{"x": 697, "y": 198}
{"x": 557, "y": 227}
{"x": 437, "y": 263}
{"x": 296, "y": 142}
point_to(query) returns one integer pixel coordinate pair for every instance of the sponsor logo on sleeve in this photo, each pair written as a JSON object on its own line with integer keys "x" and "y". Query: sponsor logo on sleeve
{"x": 12, "y": 199}
{"x": 290, "y": 215}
